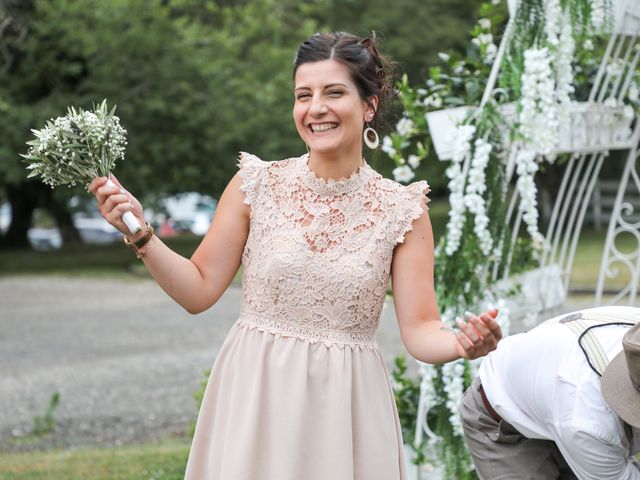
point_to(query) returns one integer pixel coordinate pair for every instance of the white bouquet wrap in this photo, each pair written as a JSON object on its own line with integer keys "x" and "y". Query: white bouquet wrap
{"x": 77, "y": 148}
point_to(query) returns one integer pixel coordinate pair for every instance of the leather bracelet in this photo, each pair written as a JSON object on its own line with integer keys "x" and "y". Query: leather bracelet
{"x": 137, "y": 245}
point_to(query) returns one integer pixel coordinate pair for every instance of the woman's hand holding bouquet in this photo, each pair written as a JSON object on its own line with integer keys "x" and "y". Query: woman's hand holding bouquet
{"x": 114, "y": 202}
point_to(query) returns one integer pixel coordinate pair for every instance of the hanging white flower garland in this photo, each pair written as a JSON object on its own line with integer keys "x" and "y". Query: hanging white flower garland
{"x": 598, "y": 14}
{"x": 526, "y": 168}
{"x": 564, "y": 69}
{"x": 474, "y": 199}
{"x": 552, "y": 16}
{"x": 453, "y": 380}
{"x": 539, "y": 115}
{"x": 461, "y": 138}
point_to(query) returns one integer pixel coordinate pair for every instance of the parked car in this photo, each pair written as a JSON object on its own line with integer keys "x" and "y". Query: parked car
{"x": 96, "y": 230}
{"x": 5, "y": 217}
{"x": 191, "y": 212}
{"x": 44, "y": 238}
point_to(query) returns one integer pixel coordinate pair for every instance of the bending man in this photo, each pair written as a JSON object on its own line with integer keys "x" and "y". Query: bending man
{"x": 561, "y": 401}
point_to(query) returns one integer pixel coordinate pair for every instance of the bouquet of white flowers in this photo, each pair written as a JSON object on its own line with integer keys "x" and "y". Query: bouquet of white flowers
{"x": 77, "y": 148}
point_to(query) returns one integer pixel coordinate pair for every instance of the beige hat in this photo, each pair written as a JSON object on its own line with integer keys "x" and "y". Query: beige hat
{"x": 621, "y": 379}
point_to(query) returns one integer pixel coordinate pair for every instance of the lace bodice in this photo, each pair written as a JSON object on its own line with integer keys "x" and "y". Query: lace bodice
{"x": 318, "y": 256}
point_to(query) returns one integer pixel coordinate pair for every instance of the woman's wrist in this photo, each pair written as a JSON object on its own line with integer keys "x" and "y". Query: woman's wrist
{"x": 138, "y": 242}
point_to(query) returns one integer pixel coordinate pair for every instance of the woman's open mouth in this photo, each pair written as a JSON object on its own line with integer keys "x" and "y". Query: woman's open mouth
{"x": 322, "y": 127}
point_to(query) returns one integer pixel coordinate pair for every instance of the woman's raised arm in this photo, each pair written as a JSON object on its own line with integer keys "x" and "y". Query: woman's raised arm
{"x": 197, "y": 283}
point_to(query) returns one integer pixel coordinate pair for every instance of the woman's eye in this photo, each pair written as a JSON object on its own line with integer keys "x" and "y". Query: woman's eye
{"x": 335, "y": 93}
{"x": 302, "y": 96}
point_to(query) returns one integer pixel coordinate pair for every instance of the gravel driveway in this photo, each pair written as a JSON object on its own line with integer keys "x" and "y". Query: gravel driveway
{"x": 123, "y": 356}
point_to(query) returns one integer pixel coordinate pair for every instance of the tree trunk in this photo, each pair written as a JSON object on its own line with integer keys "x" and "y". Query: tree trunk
{"x": 64, "y": 222}
{"x": 23, "y": 199}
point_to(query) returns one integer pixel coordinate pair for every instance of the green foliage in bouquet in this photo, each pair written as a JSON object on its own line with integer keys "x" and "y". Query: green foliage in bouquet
{"x": 78, "y": 147}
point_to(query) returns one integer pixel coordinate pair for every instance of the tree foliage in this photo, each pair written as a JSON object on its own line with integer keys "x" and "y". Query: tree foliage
{"x": 195, "y": 81}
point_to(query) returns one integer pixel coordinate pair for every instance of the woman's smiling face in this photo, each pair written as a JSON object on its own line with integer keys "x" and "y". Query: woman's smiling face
{"x": 328, "y": 111}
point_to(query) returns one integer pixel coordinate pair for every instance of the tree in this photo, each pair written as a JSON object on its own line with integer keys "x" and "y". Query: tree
{"x": 195, "y": 81}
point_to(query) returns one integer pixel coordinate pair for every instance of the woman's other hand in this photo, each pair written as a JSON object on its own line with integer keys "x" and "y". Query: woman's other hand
{"x": 479, "y": 335}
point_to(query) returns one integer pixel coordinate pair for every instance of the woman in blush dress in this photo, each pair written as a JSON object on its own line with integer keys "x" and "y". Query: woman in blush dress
{"x": 299, "y": 390}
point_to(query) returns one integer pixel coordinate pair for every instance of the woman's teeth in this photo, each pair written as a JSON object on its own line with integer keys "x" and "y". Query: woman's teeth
{"x": 323, "y": 127}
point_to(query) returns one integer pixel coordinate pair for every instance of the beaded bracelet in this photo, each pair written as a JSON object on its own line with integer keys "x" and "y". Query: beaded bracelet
{"x": 139, "y": 243}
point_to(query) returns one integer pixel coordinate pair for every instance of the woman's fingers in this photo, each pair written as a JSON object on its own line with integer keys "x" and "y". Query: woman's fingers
{"x": 114, "y": 200}
{"x": 104, "y": 191}
{"x": 96, "y": 183}
{"x": 489, "y": 321}
{"x": 114, "y": 216}
{"x": 469, "y": 332}
{"x": 465, "y": 343}
{"x": 479, "y": 323}
{"x": 480, "y": 335}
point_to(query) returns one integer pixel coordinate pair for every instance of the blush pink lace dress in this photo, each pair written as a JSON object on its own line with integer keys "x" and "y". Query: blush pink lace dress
{"x": 299, "y": 390}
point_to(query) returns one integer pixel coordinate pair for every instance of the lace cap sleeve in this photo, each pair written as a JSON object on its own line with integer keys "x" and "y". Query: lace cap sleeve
{"x": 251, "y": 168}
{"x": 412, "y": 203}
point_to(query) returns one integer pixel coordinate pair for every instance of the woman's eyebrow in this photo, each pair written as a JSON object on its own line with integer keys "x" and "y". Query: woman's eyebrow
{"x": 335, "y": 85}
{"x": 304, "y": 87}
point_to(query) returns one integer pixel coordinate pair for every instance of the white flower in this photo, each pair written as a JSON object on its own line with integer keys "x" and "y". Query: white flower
{"x": 587, "y": 44}
{"x": 552, "y": 16}
{"x": 404, "y": 127}
{"x": 610, "y": 102}
{"x": 564, "y": 70}
{"x": 403, "y": 174}
{"x": 597, "y": 14}
{"x": 616, "y": 68}
{"x": 387, "y": 146}
{"x": 414, "y": 161}
{"x": 476, "y": 186}
{"x": 490, "y": 53}
{"x": 539, "y": 109}
{"x": 526, "y": 167}
{"x": 628, "y": 113}
{"x": 453, "y": 380}
{"x": 444, "y": 56}
{"x": 461, "y": 149}
{"x": 483, "y": 39}
{"x": 433, "y": 100}
{"x": 633, "y": 92}
{"x": 484, "y": 23}
{"x": 495, "y": 2}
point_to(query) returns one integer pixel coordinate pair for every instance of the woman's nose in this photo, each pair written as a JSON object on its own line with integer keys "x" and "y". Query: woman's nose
{"x": 318, "y": 106}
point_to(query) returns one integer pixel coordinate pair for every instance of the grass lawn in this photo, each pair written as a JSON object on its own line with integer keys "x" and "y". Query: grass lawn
{"x": 90, "y": 260}
{"x": 160, "y": 461}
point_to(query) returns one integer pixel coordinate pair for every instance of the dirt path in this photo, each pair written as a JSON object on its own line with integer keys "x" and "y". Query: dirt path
{"x": 123, "y": 356}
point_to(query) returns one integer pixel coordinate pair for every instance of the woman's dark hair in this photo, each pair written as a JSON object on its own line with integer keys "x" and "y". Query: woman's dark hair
{"x": 371, "y": 72}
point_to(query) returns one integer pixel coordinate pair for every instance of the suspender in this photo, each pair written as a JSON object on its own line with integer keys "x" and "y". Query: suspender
{"x": 583, "y": 323}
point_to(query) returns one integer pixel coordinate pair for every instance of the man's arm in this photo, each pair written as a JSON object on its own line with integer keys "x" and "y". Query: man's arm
{"x": 591, "y": 457}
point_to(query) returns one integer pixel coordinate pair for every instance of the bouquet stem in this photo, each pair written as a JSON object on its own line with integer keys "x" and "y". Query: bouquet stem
{"x": 128, "y": 218}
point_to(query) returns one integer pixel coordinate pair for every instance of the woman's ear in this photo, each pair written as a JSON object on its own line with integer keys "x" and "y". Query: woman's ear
{"x": 372, "y": 108}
